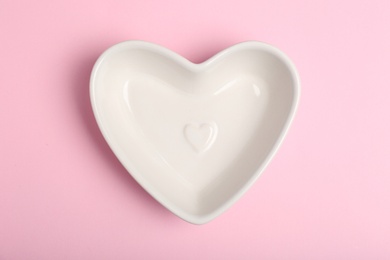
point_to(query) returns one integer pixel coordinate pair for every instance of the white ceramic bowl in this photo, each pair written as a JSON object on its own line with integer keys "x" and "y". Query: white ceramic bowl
{"x": 195, "y": 136}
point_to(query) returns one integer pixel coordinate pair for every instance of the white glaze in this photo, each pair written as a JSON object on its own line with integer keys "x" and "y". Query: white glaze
{"x": 195, "y": 136}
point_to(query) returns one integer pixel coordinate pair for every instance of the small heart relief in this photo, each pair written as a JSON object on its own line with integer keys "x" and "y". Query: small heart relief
{"x": 201, "y": 137}
{"x": 195, "y": 136}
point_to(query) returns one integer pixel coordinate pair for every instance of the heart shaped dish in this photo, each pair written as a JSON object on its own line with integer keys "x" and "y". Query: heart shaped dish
{"x": 195, "y": 136}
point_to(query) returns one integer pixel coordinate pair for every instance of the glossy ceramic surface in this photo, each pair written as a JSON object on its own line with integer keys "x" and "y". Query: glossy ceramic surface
{"x": 195, "y": 136}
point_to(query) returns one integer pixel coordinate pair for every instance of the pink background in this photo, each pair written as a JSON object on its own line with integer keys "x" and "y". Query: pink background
{"x": 64, "y": 195}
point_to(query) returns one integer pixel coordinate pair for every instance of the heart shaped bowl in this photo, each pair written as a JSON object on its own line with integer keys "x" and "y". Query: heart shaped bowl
{"x": 195, "y": 136}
